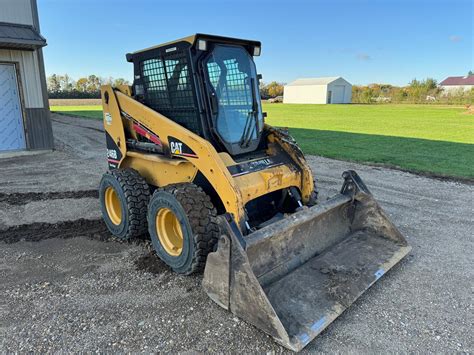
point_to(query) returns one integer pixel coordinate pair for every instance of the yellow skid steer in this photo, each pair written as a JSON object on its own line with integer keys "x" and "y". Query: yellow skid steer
{"x": 193, "y": 164}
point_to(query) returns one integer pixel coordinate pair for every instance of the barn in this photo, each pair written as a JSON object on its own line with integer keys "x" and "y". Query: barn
{"x": 24, "y": 111}
{"x": 454, "y": 84}
{"x": 327, "y": 90}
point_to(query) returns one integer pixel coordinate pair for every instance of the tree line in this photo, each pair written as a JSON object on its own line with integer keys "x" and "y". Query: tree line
{"x": 417, "y": 91}
{"x": 88, "y": 87}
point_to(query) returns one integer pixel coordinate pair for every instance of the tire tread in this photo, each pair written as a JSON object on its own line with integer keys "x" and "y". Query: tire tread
{"x": 202, "y": 216}
{"x": 137, "y": 195}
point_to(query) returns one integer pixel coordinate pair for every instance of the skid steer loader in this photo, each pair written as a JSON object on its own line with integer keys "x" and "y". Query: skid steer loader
{"x": 193, "y": 163}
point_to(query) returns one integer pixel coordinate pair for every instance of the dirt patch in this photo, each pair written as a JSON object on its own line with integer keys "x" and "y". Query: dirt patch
{"x": 68, "y": 114}
{"x": 151, "y": 263}
{"x": 34, "y": 232}
{"x": 90, "y": 228}
{"x": 26, "y": 197}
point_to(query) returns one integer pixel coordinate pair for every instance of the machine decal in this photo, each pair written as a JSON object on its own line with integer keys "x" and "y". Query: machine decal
{"x": 114, "y": 155}
{"x": 147, "y": 134}
{"x": 142, "y": 130}
{"x": 179, "y": 148}
{"x": 108, "y": 118}
{"x": 257, "y": 165}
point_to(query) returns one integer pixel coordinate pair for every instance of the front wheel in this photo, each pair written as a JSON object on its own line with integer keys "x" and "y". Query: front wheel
{"x": 124, "y": 197}
{"x": 182, "y": 223}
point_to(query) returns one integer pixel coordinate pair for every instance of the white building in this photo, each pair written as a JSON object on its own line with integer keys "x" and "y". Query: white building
{"x": 328, "y": 90}
{"x": 24, "y": 109}
{"x": 454, "y": 84}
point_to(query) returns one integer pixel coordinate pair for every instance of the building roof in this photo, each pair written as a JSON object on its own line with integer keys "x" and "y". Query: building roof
{"x": 314, "y": 81}
{"x": 16, "y": 36}
{"x": 458, "y": 80}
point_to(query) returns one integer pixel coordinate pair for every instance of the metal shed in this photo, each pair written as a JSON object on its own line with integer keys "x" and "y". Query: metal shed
{"x": 24, "y": 110}
{"x": 327, "y": 90}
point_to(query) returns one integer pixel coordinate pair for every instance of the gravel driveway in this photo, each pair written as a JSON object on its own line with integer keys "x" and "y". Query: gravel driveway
{"x": 78, "y": 289}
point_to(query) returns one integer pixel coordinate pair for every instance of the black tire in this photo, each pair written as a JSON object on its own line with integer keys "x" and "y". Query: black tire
{"x": 133, "y": 194}
{"x": 197, "y": 218}
{"x": 313, "y": 198}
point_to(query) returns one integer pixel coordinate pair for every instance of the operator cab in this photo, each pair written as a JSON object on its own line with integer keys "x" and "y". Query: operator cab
{"x": 208, "y": 84}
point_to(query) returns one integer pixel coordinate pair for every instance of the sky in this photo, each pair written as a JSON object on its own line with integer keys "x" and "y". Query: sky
{"x": 364, "y": 41}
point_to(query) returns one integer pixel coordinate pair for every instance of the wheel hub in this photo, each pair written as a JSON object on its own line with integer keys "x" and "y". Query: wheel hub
{"x": 113, "y": 205}
{"x": 169, "y": 232}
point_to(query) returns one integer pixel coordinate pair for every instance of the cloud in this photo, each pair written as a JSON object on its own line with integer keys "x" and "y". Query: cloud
{"x": 454, "y": 38}
{"x": 363, "y": 57}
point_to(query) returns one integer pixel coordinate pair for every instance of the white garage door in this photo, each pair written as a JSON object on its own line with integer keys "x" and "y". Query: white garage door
{"x": 12, "y": 134}
{"x": 337, "y": 94}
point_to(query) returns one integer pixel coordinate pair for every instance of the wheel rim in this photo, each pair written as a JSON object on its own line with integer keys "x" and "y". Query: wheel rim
{"x": 169, "y": 232}
{"x": 113, "y": 205}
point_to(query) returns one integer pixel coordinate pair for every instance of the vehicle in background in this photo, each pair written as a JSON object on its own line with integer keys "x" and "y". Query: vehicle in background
{"x": 275, "y": 99}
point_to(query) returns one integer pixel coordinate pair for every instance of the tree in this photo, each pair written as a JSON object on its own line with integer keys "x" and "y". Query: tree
{"x": 81, "y": 85}
{"x": 414, "y": 83}
{"x": 120, "y": 81}
{"x": 470, "y": 73}
{"x": 430, "y": 84}
{"x": 275, "y": 89}
{"x": 367, "y": 95}
{"x": 66, "y": 82}
{"x": 53, "y": 83}
{"x": 93, "y": 83}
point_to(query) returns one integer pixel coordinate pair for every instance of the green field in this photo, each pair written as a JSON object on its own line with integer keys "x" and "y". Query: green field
{"x": 422, "y": 138}
{"x": 82, "y": 111}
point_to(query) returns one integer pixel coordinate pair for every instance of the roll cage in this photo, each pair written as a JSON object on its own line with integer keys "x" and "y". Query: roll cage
{"x": 174, "y": 80}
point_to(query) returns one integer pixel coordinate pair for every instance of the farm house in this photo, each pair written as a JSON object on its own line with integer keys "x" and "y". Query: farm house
{"x": 327, "y": 90}
{"x": 454, "y": 84}
{"x": 24, "y": 109}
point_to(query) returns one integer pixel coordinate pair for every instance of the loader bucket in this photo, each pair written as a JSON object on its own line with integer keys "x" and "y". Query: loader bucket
{"x": 294, "y": 277}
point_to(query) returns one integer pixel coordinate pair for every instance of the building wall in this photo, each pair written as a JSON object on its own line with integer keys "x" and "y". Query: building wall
{"x": 32, "y": 78}
{"x": 347, "y": 90}
{"x": 454, "y": 88}
{"x": 305, "y": 94}
{"x": 28, "y": 67}
{"x": 16, "y": 11}
{"x": 341, "y": 92}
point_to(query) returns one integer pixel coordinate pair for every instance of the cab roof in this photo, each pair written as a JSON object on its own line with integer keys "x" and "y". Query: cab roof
{"x": 193, "y": 40}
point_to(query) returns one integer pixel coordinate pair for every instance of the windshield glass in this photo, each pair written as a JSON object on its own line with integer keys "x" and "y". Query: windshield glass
{"x": 232, "y": 73}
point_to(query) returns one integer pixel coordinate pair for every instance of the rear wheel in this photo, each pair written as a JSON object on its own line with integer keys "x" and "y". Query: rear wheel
{"x": 182, "y": 223}
{"x": 124, "y": 197}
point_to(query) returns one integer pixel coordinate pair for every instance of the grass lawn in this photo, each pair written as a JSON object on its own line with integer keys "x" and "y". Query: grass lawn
{"x": 82, "y": 111}
{"x": 422, "y": 138}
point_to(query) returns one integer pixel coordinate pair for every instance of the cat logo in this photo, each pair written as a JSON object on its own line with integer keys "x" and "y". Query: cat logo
{"x": 176, "y": 148}
{"x": 179, "y": 148}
